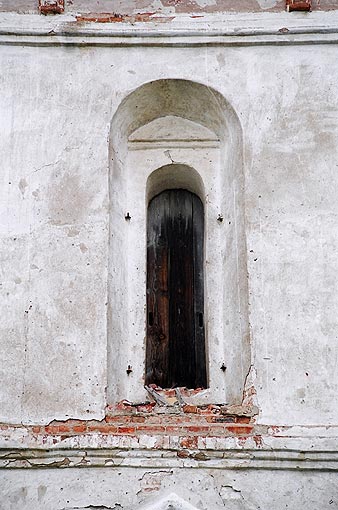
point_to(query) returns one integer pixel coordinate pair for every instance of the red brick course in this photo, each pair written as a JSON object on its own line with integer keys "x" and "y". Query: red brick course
{"x": 189, "y": 423}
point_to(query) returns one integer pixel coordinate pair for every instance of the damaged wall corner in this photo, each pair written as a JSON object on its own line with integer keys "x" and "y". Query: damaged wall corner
{"x": 298, "y": 5}
{"x": 51, "y": 6}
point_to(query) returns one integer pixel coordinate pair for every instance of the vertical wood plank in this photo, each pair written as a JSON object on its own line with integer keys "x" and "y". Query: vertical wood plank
{"x": 181, "y": 316}
{"x": 175, "y": 350}
{"x": 157, "y": 348}
{"x": 199, "y": 327}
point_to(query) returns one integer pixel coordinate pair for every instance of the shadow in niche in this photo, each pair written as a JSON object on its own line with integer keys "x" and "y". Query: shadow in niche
{"x": 202, "y": 110}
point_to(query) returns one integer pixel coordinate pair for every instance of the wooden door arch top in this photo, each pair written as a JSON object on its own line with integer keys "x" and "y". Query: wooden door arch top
{"x": 175, "y": 350}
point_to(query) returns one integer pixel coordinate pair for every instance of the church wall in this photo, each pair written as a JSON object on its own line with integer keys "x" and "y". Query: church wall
{"x": 57, "y": 103}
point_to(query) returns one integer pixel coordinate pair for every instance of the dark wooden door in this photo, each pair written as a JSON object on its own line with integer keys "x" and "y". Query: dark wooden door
{"x": 175, "y": 350}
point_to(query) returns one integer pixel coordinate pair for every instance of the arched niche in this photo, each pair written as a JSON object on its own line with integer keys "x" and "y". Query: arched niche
{"x": 174, "y": 176}
{"x": 177, "y": 134}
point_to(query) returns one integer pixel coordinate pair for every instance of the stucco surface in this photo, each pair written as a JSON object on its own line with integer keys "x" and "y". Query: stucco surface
{"x": 57, "y": 106}
{"x": 132, "y": 488}
{"x": 62, "y": 84}
{"x": 129, "y": 7}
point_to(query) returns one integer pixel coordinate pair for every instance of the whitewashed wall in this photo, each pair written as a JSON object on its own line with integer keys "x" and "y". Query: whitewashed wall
{"x": 57, "y": 102}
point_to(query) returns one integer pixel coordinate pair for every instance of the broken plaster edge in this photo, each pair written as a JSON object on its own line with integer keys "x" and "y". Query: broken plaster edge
{"x": 300, "y": 459}
{"x": 299, "y": 439}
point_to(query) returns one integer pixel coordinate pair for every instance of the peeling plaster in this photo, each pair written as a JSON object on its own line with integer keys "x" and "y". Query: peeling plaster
{"x": 284, "y": 95}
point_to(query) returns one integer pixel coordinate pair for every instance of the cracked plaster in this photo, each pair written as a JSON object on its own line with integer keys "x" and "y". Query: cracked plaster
{"x": 53, "y": 323}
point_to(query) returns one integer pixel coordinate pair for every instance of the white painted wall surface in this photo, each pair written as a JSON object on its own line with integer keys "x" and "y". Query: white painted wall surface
{"x": 57, "y": 103}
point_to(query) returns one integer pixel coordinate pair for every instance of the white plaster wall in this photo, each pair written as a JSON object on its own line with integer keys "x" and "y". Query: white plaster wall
{"x": 56, "y": 107}
{"x": 127, "y": 489}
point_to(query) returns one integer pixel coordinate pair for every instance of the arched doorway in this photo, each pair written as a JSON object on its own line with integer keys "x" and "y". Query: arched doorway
{"x": 175, "y": 351}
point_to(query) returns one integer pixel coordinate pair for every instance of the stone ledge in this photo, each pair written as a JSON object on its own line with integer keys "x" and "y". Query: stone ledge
{"x": 182, "y": 30}
{"x": 140, "y": 458}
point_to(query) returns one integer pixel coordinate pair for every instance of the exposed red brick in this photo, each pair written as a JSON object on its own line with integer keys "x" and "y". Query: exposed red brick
{"x": 52, "y": 429}
{"x": 243, "y": 419}
{"x": 64, "y": 427}
{"x": 170, "y": 393}
{"x": 100, "y": 18}
{"x": 151, "y": 429}
{"x": 51, "y": 6}
{"x": 298, "y": 5}
{"x": 118, "y": 418}
{"x": 199, "y": 429}
{"x": 191, "y": 409}
{"x": 106, "y": 17}
{"x": 138, "y": 419}
{"x": 81, "y": 427}
{"x": 239, "y": 430}
{"x": 182, "y": 454}
{"x": 189, "y": 442}
{"x": 123, "y": 406}
{"x": 173, "y": 429}
{"x": 126, "y": 430}
{"x": 146, "y": 408}
{"x": 258, "y": 441}
{"x": 193, "y": 422}
{"x": 104, "y": 428}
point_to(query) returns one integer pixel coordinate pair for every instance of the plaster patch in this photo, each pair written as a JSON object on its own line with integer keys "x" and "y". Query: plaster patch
{"x": 232, "y": 498}
{"x": 22, "y": 186}
{"x": 151, "y": 481}
{"x": 73, "y": 232}
{"x": 42, "y": 489}
{"x": 69, "y": 200}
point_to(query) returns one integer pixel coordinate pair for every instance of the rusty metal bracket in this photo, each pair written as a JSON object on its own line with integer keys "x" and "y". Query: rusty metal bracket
{"x": 298, "y": 5}
{"x": 51, "y": 6}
